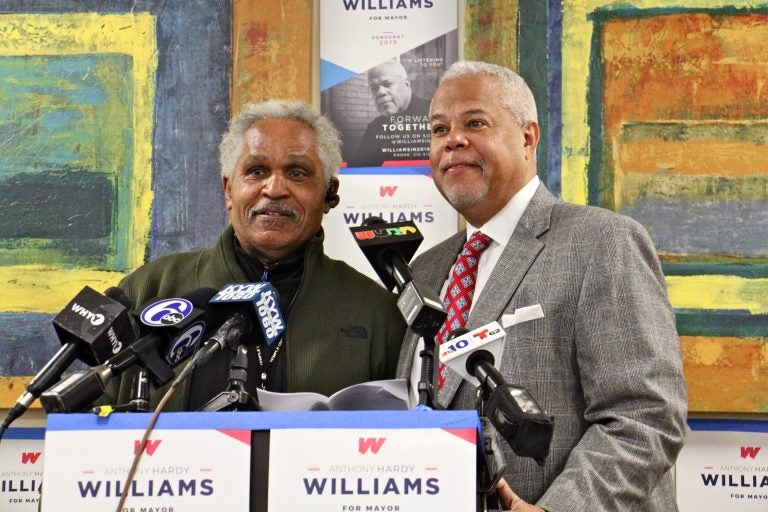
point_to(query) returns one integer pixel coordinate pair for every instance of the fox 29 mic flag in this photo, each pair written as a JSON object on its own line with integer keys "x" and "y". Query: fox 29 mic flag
{"x": 263, "y": 297}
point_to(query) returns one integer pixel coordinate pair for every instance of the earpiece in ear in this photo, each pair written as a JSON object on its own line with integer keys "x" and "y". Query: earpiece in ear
{"x": 332, "y": 198}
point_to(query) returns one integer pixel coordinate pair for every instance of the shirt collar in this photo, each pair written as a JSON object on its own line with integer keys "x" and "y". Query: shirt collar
{"x": 501, "y": 226}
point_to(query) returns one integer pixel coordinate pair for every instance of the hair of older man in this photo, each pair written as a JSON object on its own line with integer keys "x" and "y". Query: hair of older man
{"x": 394, "y": 66}
{"x": 328, "y": 139}
{"x": 517, "y": 97}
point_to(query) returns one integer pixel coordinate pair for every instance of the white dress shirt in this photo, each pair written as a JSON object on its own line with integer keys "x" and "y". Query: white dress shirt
{"x": 499, "y": 229}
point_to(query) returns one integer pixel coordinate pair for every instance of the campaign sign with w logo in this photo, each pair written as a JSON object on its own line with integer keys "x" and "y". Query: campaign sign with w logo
{"x": 723, "y": 466}
{"x": 376, "y": 460}
{"x": 190, "y": 463}
{"x": 21, "y": 469}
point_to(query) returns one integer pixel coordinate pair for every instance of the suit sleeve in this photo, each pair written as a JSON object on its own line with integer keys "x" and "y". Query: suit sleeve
{"x": 630, "y": 366}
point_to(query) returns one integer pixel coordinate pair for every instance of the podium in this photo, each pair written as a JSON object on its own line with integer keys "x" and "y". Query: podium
{"x": 264, "y": 461}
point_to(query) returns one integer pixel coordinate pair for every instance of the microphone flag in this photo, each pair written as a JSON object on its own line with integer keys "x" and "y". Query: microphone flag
{"x": 98, "y": 324}
{"x": 454, "y": 352}
{"x": 263, "y": 298}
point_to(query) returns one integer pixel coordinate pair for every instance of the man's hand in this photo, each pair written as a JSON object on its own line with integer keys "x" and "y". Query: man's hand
{"x": 512, "y": 502}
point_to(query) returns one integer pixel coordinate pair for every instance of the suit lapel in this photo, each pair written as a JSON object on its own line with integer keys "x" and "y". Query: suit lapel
{"x": 521, "y": 251}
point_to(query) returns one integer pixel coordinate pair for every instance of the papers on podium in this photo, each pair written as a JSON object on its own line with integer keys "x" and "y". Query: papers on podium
{"x": 378, "y": 395}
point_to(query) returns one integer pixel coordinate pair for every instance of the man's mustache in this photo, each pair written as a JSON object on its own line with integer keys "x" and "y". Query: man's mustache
{"x": 272, "y": 207}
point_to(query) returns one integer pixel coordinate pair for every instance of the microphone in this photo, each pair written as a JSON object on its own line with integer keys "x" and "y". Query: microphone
{"x": 483, "y": 344}
{"x": 97, "y": 327}
{"x": 261, "y": 297}
{"x": 173, "y": 327}
{"x": 525, "y": 426}
{"x": 243, "y": 298}
{"x": 173, "y": 330}
{"x": 91, "y": 328}
{"x": 228, "y": 335}
{"x": 388, "y": 248}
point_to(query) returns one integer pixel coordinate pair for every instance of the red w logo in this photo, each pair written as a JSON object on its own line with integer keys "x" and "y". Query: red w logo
{"x": 387, "y": 190}
{"x": 370, "y": 443}
{"x": 150, "y": 447}
{"x": 749, "y": 451}
{"x": 30, "y": 457}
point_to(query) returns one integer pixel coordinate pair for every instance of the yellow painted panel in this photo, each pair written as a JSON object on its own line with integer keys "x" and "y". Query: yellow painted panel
{"x": 37, "y": 289}
{"x": 718, "y": 292}
{"x": 578, "y": 30}
{"x": 271, "y": 51}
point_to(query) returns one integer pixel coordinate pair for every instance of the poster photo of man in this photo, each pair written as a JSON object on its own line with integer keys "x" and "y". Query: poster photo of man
{"x": 383, "y": 112}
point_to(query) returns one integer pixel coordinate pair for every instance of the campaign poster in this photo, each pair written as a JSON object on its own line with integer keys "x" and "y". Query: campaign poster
{"x": 189, "y": 470}
{"x": 365, "y": 469}
{"x": 397, "y": 197}
{"x": 723, "y": 466}
{"x": 380, "y": 63}
{"x": 21, "y": 469}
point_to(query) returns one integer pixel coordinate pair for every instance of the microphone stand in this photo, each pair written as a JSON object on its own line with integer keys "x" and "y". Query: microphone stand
{"x": 424, "y": 314}
{"x": 235, "y": 397}
{"x": 426, "y": 386}
{"x": 510, "y": 412}
{"x": 139, "y": 397}
{"x": 491, "y": 463}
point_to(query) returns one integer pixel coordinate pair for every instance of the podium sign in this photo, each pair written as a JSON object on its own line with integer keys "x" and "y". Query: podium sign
{"x": 258, "y": 461}
{"x": 365, "y": 469}
{"x": 186, "y": 465}
{"x": 723, "y": 466}
{"x": 21, "y": 469}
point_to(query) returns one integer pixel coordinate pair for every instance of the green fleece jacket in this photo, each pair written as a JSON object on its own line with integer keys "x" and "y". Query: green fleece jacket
{"x": 342, "y": 328}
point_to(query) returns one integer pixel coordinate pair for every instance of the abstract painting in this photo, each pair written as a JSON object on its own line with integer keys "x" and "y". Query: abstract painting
{"x": 673, "y": 134}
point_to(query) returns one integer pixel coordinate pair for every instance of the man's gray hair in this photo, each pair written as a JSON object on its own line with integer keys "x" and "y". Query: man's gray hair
{"x": 518, "y": 98}
{"x": 328, "y": 140}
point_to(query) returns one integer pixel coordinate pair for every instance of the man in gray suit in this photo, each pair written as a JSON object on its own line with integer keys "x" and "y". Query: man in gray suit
{"x": 597, "y": 347}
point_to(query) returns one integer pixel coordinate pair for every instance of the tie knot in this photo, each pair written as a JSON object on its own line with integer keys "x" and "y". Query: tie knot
{"x": 476, "y": 244}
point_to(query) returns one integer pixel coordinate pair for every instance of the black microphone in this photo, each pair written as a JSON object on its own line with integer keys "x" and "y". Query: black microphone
{"x": 97, "y": 327}
{"x": 248, "y": 298}
{"x": 228, "y": 335}
{"x": 525, "y": 426}
{"x": 243, "y": 300}
{"x": 91, "y": 327}
{"x": 174, "y": 328}
{"x": 388, "y": 247}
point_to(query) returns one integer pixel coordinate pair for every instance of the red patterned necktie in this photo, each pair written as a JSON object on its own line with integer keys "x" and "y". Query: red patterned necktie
{"x": 461, "y": 288}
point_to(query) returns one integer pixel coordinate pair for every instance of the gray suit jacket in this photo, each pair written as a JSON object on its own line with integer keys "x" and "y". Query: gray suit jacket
{"x": 604, "y": 361}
